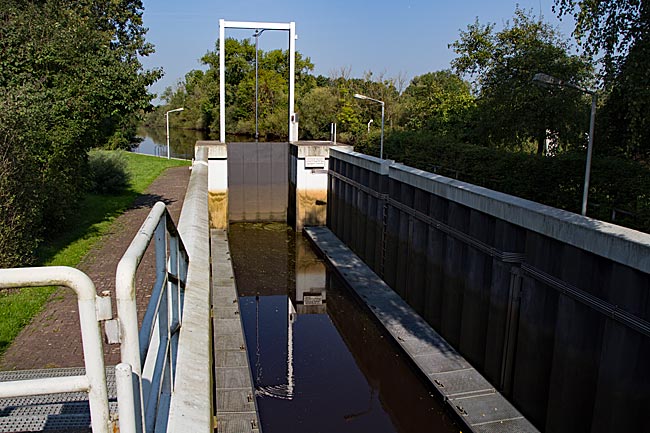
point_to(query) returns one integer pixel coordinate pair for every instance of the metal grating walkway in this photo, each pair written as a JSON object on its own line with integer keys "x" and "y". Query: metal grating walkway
{"x": 235, "y": 396}
{"x": 68, "y": 412}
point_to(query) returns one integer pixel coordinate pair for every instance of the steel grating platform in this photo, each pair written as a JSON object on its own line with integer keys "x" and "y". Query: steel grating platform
{"x": 67, "y": 412}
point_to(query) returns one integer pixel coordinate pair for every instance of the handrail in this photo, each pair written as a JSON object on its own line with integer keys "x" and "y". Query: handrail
{"x": 94, "y": 381}
{"x": 150, "y": 351}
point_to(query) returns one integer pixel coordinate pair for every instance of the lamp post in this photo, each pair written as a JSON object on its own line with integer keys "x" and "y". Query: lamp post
{"x": 167, "y": 119}
{"x": 548, "y": 80}
{"x": 257, "y": 34}
{"x": 381, "y": 140}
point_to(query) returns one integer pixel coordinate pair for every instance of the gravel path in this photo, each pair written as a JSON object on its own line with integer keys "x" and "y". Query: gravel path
{"x": 53, "y": 338}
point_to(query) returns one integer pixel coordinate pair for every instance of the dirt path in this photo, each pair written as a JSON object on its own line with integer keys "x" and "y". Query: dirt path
{"x": 53, "y": 338}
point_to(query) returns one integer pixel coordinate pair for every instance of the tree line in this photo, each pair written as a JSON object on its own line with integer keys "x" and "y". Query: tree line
{"x": 486, "y": 98}
{"x": 485, "y": 107}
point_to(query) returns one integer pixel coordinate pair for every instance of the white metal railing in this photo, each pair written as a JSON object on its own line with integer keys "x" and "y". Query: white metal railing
{"x": 145, "y": 378}
{"x": 92, "y": 309}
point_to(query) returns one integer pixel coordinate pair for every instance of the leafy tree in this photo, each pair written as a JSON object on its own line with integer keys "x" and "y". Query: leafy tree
{"x": 619, "y": 32}
{"x": 607, "y": 27}
{"x": 318, "y": 109}
{"x": 71, "y": 80}
{"x": 438, "y": 101}
{"x": 199, "y": 91}
{"x": 512, "y": 112}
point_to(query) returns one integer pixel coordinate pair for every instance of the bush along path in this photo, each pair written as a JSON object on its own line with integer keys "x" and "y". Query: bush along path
{"x": 53, "y": 337}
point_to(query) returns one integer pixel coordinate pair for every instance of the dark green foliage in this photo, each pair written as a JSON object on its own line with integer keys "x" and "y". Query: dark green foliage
{"x": 512, "y": 112}
{"x": 70, "y": 80}
{"x": 107, "y": 172}
{"x": 198, "y": 93}
{"x": 616, "y": 183}
{"x": 616, "y": 33}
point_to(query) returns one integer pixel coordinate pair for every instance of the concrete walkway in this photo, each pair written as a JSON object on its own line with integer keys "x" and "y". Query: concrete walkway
{"x": 53, "y": 338}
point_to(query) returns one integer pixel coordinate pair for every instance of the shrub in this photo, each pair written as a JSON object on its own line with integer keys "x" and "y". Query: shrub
{"x": 617, "y": 187}
{"x": 107, "y": 172}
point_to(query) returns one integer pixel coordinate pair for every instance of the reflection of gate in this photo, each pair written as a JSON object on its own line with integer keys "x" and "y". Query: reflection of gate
{"x": 257, "y": 181}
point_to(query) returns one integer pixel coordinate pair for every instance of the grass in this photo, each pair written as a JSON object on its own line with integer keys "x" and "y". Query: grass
{"x": 94, "y": 218}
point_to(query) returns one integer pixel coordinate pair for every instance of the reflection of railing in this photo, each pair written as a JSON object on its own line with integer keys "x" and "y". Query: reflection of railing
{"x": 94, "y": 381}
{"x": 150, "y": 353}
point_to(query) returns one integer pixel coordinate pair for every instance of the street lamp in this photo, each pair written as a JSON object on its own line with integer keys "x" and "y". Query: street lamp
{"x": 381, "y": 140}
{"x": 167, "y": 119}
{"x": 548, "y": 80}
{"x": 257, "y": 34}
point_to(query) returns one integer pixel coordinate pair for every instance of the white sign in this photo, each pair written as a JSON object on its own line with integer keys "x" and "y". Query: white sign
{"x": 314, "y": 162}
{"x": 313, "y": 300}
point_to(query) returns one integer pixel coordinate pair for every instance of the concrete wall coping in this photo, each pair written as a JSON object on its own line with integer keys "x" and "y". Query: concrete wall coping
{"x": 626, "y": 246}
{"x": 215, "y": 149}
{"x": 316, "y": 148}
{"x": 371, "y": 163}
{"x": 191, "y": 403}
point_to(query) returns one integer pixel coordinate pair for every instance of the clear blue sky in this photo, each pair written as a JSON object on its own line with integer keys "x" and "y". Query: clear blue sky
{"x": 393, "y": 37}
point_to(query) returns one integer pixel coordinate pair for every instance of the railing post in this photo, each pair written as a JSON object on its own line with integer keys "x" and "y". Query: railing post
{"x": 95, "y": 378}
{"x": 126, "y": 390}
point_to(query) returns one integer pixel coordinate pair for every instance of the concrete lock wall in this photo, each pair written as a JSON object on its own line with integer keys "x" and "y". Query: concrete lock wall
{"x": 552, "y": 307}
{"x": 268, "y": 181}
{"x": 308, "y": 167}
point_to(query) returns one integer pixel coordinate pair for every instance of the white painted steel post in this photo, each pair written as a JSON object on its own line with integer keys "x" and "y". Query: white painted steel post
{"x": 167, "y": 133}
{"x": 292, "y": 77}
{"x": 222, "y": 81}
{"x": 95, "y": 379}
{"x": 590, "y": 149}
{"x": 125, "y": 398}
{"x": 223, "y": 24}
{"x": 167, "y": 121}
{"x": 125, "y": 296}
{"x": 381, "y": 140}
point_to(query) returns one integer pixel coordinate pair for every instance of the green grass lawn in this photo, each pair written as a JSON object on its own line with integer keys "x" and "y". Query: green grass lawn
{"x": 93, "y": 219}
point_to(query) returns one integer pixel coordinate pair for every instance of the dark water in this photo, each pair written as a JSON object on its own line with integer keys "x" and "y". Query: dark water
{"x": 181, "y": 141}
{"x": 319, "y": 362}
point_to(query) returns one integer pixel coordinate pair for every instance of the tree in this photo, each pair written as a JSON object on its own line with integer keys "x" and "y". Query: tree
{"x": 512, "y": 112}
{"x": 619, "y": 32}
{"x": 440, "y": 102}
{"x": 607, "y": 27}
{"x": 71, "y": 80}
{"x": 318, "y": 110}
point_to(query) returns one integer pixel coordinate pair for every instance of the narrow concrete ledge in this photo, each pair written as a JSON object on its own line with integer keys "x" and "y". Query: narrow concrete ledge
{"x": 620, "y": 244}
{"x": 191, "y": 403}
{"x": 478, "y": 405}
{"x": 371, "y": 163}
{"x": 236, "y": 406}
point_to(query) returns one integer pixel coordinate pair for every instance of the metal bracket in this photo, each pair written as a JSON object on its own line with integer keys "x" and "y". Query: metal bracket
{"x": 103, "y": 306}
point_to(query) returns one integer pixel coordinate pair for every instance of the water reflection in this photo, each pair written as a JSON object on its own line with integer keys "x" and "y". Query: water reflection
{"x": 319, "y": 362}
{"x": 181, "y": 141}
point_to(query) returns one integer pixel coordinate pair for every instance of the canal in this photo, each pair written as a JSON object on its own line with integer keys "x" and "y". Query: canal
{"x": 319, "y": 362}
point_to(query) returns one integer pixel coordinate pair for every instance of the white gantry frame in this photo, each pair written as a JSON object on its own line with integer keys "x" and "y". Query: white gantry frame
{"x": 223, "y": 25}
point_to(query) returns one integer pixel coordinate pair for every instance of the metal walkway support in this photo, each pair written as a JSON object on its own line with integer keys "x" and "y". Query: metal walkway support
{"x": 150, "y": 353}
{"x": 93, "y": 382}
